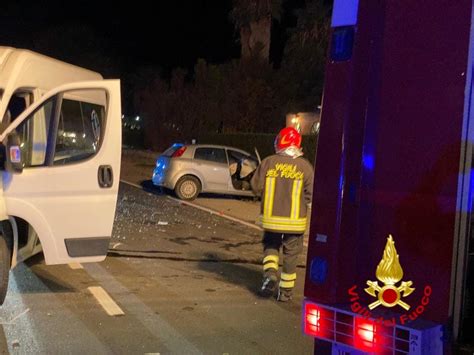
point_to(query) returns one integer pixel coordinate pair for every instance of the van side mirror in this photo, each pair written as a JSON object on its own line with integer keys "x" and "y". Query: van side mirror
{"x": 14, "y": 159}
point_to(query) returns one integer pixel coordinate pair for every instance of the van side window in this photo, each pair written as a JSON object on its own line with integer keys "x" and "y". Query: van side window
{"x": 80, "y": 129}
{"x": 33, "y": 133}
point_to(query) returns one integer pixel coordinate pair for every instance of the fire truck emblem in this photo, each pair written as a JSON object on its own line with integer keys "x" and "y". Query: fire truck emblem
{"x": 389, "y": 272}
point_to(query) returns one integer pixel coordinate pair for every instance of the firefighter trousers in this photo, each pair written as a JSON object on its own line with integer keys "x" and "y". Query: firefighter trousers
{"x": 292, "y": 246}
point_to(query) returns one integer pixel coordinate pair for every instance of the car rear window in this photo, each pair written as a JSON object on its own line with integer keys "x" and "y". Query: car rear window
{"x": 211, "y": 154}
{"x": 170, "y": 151}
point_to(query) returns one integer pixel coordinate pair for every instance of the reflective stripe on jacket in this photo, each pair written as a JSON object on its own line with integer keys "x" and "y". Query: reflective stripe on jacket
{"x": 286, "y": 187}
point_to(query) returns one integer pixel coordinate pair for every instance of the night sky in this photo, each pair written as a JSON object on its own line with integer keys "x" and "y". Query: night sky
{"x": 165, "y": 34}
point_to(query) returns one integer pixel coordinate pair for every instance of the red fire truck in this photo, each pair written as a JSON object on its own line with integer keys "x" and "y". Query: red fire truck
{"x": 390, "y": 265}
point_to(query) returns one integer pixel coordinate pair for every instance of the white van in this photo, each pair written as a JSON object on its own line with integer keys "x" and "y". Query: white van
{"x": 60, "y": 148}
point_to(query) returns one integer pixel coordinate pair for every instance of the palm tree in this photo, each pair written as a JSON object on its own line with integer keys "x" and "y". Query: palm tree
{"x": 253, "y": 19}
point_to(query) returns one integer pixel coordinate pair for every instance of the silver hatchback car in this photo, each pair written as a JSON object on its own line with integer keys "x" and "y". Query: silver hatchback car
{"x": 192, "y": 169}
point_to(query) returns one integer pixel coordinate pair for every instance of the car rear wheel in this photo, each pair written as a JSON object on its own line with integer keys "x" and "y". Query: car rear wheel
{"x": 187, "y": 188}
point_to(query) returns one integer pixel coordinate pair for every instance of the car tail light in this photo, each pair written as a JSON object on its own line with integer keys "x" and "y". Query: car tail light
{"x": 179, "y": 152}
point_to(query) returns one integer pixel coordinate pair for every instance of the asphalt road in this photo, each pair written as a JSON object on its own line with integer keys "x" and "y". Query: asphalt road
{"x": 184, "y": 280}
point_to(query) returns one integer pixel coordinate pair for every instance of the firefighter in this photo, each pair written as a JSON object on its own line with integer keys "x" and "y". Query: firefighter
{"x": 285, "y": 183}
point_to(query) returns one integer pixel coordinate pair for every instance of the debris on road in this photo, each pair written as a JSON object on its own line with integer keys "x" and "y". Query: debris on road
{"x": 116, "y": 245}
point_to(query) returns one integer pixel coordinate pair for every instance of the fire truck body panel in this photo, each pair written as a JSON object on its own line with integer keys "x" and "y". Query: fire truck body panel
{"x": 394, "y": 156}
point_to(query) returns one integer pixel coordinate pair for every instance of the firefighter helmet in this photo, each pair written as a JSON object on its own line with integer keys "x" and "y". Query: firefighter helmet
{"x": 287, "y": 137}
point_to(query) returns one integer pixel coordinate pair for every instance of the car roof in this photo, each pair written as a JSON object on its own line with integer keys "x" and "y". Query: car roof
{"x": 217, "y": 146}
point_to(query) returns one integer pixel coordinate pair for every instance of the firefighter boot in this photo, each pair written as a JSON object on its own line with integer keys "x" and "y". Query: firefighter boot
{"x": 285, "y": 294}
{"x": 268, "y": 286}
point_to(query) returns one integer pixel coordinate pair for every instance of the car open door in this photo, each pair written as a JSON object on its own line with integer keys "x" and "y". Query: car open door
{"x": 69, "y": 147}
{"x": 258, "y": 155}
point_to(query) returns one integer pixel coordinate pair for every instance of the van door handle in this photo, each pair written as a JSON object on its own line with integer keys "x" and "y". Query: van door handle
{"x": 105, "y": 176}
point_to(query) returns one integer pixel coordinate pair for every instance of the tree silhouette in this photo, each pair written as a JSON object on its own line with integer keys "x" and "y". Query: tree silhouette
{"x": 78, "y": 44}
{"x": 301, "y": 74}
{"x": 253, "y": 20}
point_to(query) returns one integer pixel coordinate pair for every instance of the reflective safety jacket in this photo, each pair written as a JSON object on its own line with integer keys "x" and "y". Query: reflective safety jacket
{"x": 285, "y": 185}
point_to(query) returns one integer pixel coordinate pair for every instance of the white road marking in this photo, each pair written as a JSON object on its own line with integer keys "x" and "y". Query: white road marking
{"x": 234, "y": 219}
{"x": 75, "y": 266}
{"x": 251, "y": 225}
{"x": 19, "y": 315}
{"x": 29, "y": 307}
{"x": 24, "y": 328}
{"x": 168, "y": 336}
{"x": 107, "y": 303}
{"x": 131, "y": 184}
{"x": 211, "y": 211}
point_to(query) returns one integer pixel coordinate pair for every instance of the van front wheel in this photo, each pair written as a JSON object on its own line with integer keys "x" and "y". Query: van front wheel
{"x": 5, "y": 262}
